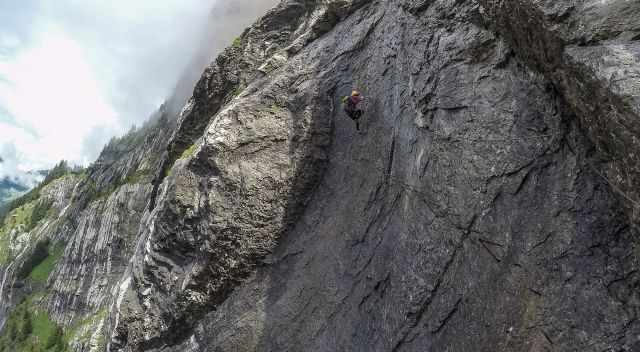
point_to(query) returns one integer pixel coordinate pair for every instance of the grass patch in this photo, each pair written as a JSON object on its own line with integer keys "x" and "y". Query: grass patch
{"x": 84, "y": 330}
{"x": 189, "y": 152}
{"x": 40, "y": 273}
{"x": 237, "y": 42}
{"x": 140, "y": 176}
{"x": 167, "y": 172}
{"x": 39, "y": 254}
{"x": 275, "y": 108}
{"x": 13, "y": 207}
{"x": 20, "y": 217}
{"x": 60, "y": 170}
{"x": 17, "y": 218}
{"x": 237, "y": 91}
{"x": 29, "y": 329}
{"x": 5, "y": 253}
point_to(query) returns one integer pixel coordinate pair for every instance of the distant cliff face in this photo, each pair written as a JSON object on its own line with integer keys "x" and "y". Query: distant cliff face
{"x": 489, "y": 204}
{"x": 65, "y": 245}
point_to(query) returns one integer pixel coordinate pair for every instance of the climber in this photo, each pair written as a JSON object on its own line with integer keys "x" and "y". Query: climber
{"x": 351, "y": 107}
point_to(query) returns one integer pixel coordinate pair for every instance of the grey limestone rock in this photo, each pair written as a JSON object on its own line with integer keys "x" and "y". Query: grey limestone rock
{"x": 489, "y": 204}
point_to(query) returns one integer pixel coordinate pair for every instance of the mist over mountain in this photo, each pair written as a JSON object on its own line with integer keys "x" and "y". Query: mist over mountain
{"x": 97, "y": 68}
{"x": 10, "y": 189}
{"x": 14, "y": 182}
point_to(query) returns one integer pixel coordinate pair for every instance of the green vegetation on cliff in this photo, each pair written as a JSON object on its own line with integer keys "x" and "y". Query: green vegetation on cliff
{"x": 60, "y": 170}
{"x": 189, "y": 152}
{"x": 29, "y": 329}
{"x": 89, "y": 330}
{"x": 94, "y": 192}
{"x": 19, "y": 218}
{"x": 40, "y": 272}
{"x": 24, "y": 219}
{"x": 39, "y": 254}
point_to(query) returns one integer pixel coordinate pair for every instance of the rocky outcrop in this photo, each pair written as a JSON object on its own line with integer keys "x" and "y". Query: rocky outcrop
{"x": 590, "y": 51}
{"x": 87, "y": 234}
{"x": 18, "y": 239}
{"x": 489, "y": 204}
{"x": 224, "y": 205}
{"x": 474, "y": 213}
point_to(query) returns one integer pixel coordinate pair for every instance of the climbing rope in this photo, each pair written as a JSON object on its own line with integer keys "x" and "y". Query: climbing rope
{"x": 635, "y": 203}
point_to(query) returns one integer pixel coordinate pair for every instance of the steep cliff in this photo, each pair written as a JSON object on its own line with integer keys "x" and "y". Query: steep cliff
{"x": 489, "y": 204}
{"x": 67, "y": 243}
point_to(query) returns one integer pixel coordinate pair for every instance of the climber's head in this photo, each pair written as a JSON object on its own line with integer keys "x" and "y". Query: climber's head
{"x": 355, "y": 93}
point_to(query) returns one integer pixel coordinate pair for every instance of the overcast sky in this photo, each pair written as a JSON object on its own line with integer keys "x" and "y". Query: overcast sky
{"x": 74, "y": 73}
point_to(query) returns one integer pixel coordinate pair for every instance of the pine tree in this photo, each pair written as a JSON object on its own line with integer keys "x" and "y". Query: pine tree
{"x": 55, "y": 340}
{"x": 26, "y": 328}
{"x": 13, "y": 332}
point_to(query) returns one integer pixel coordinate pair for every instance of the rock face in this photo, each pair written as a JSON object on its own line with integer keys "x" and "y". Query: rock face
{"x": 489, "y": 204}
{"x": 91, "y": 221}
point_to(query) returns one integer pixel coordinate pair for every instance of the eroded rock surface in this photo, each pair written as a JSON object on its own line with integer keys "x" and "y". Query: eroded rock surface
{"x": 472, "y": 215}
{"x": 489, "y": 204}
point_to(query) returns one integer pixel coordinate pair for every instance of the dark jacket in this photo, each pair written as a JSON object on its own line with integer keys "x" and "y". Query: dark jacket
{"x": 352, "y": 102}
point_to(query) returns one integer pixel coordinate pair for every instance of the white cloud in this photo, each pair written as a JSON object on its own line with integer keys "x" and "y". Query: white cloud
{"x": 74, "y": 73}
{"x": 11, "y": 169}
{"x": 52, "y": 94}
